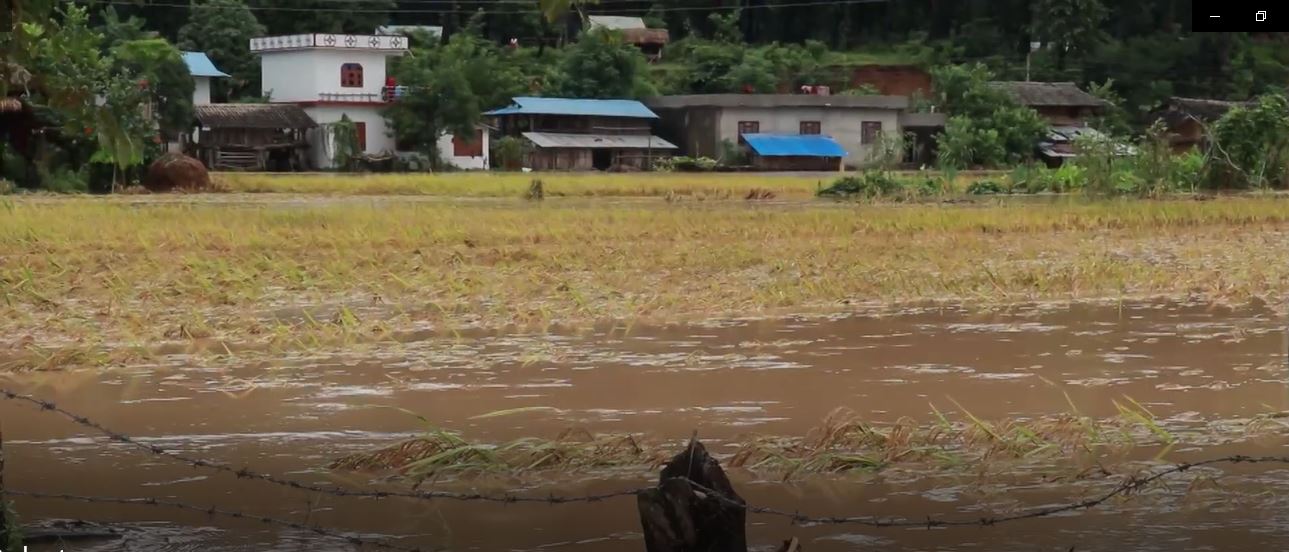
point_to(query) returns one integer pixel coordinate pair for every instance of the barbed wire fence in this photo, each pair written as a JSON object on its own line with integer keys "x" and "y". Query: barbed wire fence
{"x": 1130, "y": 485}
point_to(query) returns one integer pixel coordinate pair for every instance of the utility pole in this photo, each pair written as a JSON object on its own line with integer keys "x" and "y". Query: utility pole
{"x": 1033, "y": 47}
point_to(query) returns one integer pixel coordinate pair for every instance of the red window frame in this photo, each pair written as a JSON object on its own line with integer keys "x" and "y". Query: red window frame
{"x": 351, "y": 75}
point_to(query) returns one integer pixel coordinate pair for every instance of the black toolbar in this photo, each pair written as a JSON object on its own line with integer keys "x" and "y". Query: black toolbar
{"x": 1216, "y": 16}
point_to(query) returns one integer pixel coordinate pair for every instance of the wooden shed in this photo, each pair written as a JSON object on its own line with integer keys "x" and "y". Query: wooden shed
{"x": 252, "y": 137}
{"x": 1188, "y": 119}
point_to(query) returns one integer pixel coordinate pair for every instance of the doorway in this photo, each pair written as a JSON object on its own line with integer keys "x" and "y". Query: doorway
{"x": 602, "y": 159}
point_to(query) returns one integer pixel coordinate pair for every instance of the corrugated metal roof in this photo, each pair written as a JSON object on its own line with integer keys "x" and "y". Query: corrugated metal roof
{"x": 770, "y": 101}
{"x": 201, "y": 66}
{"x": 617, "y": 22}
{"x": 275, "y": 116}
{"x": 564, "y": 106}
{"x": 794, "y": 145}
{"x": 1049, "y": 94}
{"x": 598, "y": 141}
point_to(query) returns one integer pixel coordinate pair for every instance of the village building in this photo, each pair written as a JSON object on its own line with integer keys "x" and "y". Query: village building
{"x": 1067, "y": 109}
{"x": 710, "y": 125}
{"x": 634, "y": 31}
{"x": 579, "y": 135}
{"x": 1187, "y": 120}
{"x": 253, "y": 137}
{"x": 203, "y": 73}
{"x": 333, "y": 77}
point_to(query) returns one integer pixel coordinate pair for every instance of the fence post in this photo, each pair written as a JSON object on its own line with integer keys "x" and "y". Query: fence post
{"x": 7, "y": 533}
{"x": 676, "y": 517}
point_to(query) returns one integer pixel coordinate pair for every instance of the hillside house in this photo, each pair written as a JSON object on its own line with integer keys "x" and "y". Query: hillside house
{"x": 634, "y": 31}
{"x": 1059, "y": 103}
{"x": 709, "y": 125}
{"x": 579, "y": 135}
{"x": 1068, "y": 111}
{"x": 1187, "y": 120}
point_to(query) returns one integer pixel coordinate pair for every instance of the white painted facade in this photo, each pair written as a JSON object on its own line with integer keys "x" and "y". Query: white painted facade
{"x": 379, "y": 139}
{"x": 201, "y": 91}
{"x": 315, "y": 72}
{"x": 474, "y": 163}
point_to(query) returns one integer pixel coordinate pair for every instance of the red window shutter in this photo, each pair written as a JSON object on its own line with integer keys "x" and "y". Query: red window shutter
{"x": 473, "y": 148}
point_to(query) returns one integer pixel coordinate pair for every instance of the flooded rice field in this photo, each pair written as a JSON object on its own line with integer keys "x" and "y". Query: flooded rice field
{"x": 1204, "y": 374}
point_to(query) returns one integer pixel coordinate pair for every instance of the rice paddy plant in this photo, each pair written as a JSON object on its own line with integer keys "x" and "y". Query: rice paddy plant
{"x": 84, "y": 270}
{"x": 843, "y": 443}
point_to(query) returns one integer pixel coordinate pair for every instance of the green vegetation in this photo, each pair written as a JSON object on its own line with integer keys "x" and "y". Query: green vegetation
{"x": 843, "y": 443}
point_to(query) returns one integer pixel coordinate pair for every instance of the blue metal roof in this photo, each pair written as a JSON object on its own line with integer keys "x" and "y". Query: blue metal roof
{"x": 200, "y": 66}
{"x": 564, "y": 106}
{"x": 794, "y": 145}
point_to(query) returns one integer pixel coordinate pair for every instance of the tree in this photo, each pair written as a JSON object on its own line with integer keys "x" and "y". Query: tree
{"x": 988, "y": 127}
{"x": 161, "y": 71}
{"x": 283, "y": 17}
{"x": 1069, "y": 26}
{"x": 1250, "y": 146}
{"x": 601, "y": 65}
{"x": 223, "y": 30}
{"x": 448, "y": 87}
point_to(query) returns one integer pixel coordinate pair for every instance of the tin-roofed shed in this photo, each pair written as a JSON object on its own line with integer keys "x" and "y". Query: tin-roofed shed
{"x": 579, "y": 134}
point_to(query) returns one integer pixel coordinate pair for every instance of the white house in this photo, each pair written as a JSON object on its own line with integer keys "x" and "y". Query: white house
{"x": 202, "y": 71}
{"x": 332, "y": 76}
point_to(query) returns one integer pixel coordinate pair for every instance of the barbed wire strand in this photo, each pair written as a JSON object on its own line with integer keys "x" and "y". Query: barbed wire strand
{"x": 1129, "y": 486}
{"x": 232, "y": 514}
{"x": 245, "y": 473}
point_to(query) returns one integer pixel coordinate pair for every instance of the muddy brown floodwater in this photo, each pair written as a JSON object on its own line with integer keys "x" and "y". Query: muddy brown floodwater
{"x": 1198, "y": 368}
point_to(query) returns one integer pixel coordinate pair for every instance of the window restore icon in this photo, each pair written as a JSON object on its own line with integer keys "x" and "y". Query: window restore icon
{"x": 1260, "y": 16}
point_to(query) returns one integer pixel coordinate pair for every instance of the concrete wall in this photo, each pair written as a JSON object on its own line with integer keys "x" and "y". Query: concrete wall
{"x": 465, "y": 163}
{"x": 844, "y": 125}
{"x": 289, "y": 76}
{"x": 379, "y": 140}
{"x": 304, "y": 75}
{"x": 201, "y": 93}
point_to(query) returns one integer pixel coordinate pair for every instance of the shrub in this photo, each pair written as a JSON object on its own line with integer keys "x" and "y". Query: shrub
{"x": 985, "y": 187}
{"x": 868, "y": 185}
{"x": 67, "y": 181}
{"x": 509, "y": 153}
{"x": 688, "y": 164}
{"x": 1251, "y": 145}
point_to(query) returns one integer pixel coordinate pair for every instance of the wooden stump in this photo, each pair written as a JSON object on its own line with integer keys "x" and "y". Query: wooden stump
{"x": 680, "y": 517}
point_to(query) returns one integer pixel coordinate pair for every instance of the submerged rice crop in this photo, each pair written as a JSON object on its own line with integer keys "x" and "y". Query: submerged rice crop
{"x": 97, "y": 283}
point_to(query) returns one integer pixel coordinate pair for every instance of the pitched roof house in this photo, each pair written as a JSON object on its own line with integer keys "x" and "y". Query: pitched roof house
{"x": 1067, "y": 108}
{"x": 1060, "y": 103}
{"x": 575, "y": 134}
{"x": 1187, "y": 120}
{"x": 634, "y": 30}
{"x": 202, "y": 70}
{"x": 782, "y": 131}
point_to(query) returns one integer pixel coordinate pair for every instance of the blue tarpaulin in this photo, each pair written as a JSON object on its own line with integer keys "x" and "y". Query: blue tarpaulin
{"x": 586, "y": 108}
{"x": 200, "y": 66}
{"x": 794, "y": 145}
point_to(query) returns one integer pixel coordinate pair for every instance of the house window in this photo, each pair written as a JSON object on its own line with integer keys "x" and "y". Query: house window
{"x": 811, "y": 127}
{"x": 351, "y": 75}
{"x": 749, "y": 127}
{"x": 362, "y": 135}
{"x": 471, "y": 146}
{"x": 870, "y": 131}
